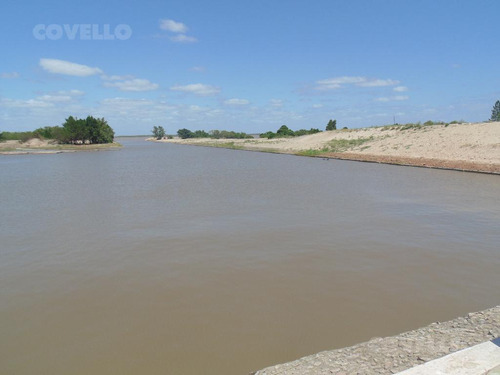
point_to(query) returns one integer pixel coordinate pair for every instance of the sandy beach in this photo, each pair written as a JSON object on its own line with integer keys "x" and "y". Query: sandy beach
{"x": 469, "y": 146}
{"x": 39, "y": 146}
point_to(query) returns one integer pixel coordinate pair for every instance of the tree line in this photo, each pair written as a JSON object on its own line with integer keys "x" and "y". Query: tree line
{"x": 159, "y": 133}
{"x": 283, "y": 131}
{"x": 74, "y": 131}
{"x": 215, "y": 134}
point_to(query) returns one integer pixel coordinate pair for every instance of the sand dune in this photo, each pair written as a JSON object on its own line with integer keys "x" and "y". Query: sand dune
{"x": 471, "y": 146}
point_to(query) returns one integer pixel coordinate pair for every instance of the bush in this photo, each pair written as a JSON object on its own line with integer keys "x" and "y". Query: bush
{"x": 201, "y": 134}
{"x": 185, "y": 133}
{"x": 90, "y": 130}
{"x": 332, "y": 125}
{"x": 158, "y": 132}
{"x": 268, "y": 135}
{"x": 495, "y": 112}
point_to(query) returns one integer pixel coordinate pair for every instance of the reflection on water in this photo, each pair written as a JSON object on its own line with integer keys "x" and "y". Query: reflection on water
{"x": 167, "y": 259}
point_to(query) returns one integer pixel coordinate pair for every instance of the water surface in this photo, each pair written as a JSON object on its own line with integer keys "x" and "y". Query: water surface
{"x": 169, "y": 259}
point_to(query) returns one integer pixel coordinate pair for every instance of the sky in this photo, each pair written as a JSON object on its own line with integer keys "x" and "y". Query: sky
{"x": 247, "y": 66}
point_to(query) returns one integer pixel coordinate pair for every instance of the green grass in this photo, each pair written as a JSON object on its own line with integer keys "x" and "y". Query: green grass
{"x": 230, "y": 145}
{"x": 340, "y": 145}
{"x": 313, "y": 152}
{"x": 337, "y": 145}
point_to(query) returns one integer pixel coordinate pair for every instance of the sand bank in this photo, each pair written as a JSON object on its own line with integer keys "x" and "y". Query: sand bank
{"x": 38, "y": 146}
{"x": 469, "y": 147}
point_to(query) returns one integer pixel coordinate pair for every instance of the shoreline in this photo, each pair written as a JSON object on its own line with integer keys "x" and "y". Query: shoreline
{"x": 460, "y": 147}
{"x": 38, "y": 147}
{"x": 398, "y": 353}
{"x": 450, "y": 165}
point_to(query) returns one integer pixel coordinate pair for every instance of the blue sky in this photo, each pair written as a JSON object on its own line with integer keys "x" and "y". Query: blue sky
{"x": 248, "y": 66}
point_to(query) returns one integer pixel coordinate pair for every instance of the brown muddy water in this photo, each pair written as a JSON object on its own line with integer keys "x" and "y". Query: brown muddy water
{"x": 169, "y": 259}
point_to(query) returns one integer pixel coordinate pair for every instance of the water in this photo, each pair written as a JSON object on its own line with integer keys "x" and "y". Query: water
{"x": 168, "y": 259}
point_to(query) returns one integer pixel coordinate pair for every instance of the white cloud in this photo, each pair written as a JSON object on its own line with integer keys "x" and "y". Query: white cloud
{"x": 9, "y": 75}
{"x": 55, "y": 98}
{"x": 181, "y": 38}
{"x": 377, "y": 83}
{"x": 71, "y": 92}
{"x": 68, "y": 68}
{"x": 236, "y": 102}
{"x": 122, "y": 104}
{"x": 199, "y": 69}
{"x": 196, "y": 108}
{"x": 317, "y": 105}
{"x": 31, "y": 103}
{"x": 277, "y": 103}
{"x": 400, "y": 88}
{"x": 62, "y": 96}
{"x": 175, "y": 27}
{"x": 197, "y": 89}
{"x": 116, "y": 77}
{"x": 339, "y": 82}
{"x": 135, "y": 84}
{"x": 179, "y": 29}
{"x": 392, "y": 98}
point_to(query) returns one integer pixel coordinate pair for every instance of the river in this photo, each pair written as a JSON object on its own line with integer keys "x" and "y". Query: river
{"x": 172, "y": 259}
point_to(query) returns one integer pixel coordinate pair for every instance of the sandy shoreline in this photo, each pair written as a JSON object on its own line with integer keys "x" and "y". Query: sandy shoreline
{"x": 38, "y": 146}
{"x": 467, "y": 147}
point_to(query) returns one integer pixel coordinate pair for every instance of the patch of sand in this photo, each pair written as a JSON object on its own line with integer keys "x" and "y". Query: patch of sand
{"x": 32, "y": 143}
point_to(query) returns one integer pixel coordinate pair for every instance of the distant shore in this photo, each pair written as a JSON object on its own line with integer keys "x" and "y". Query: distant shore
{"x": 471, "y": 147}
{"x": 38, "y": 146}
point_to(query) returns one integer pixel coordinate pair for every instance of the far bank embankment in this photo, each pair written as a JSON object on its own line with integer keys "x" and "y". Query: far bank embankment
{"x": 469, "y": 147}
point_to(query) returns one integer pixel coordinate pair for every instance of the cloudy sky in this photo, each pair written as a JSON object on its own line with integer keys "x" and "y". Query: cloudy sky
{"x": 247, "y": 65}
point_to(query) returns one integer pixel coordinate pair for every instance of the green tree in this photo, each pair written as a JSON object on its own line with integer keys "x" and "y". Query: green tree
{"x": 332, "y": 125}
{"x": 74, "y": 130}
{"x": 201, "y": 134}
{"x": 185, "y": 133}
{"x": 106, "y": 134}
{"x": 268, "y": 135}
{"x": 495, "y": 112}
{"x": 284, "y": 131}
{"x": 90, "y": 130}
{"x": 158, "y": 132}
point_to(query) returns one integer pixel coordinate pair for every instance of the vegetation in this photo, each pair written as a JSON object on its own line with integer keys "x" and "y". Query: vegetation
{"x": 73, "y": 131}
{"x": 225, "y": 134}
{"x": 332, "y": 125}
{"x": 158, "y": 132}
{"x": 215, "y": 134}
{"x": 88, "y": 131}
{"x": 418, "y": 125}
{"x": 339, "y": 145}
{"x": 284, "y": 131}
{"x": 336, "y": 145}
{"x": 495, "y": 112}
{"x": 16, "y": 136}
